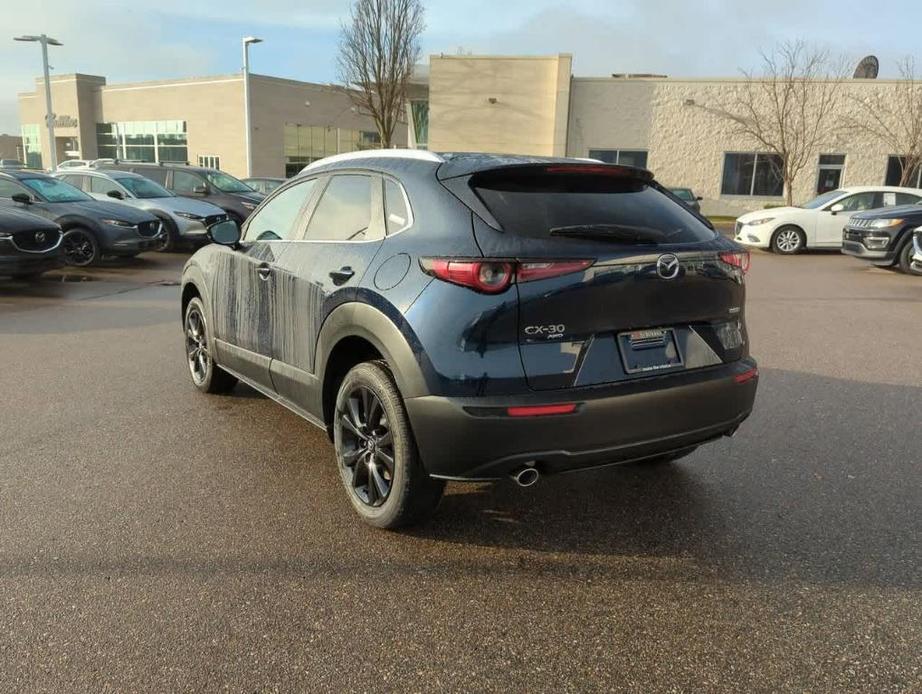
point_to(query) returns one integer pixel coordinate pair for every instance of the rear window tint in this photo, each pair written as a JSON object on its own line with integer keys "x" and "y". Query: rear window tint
{"x": 532, "y": 203}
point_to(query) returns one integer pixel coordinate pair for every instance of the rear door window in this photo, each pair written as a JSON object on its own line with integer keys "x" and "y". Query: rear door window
{"x": 100, "y": 185}
{"x": 345, "y": 212}
{"x": 156, "y": 174}
{"x": 540, "y": 203}
{"x": 185, "y": 182}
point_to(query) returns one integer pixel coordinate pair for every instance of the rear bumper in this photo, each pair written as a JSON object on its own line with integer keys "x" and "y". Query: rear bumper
{"x": 458, "y": 438}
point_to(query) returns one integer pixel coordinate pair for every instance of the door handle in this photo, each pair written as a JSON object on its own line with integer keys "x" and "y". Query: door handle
{"x": 343, "y": 275}
{"x": 265, "y": 271}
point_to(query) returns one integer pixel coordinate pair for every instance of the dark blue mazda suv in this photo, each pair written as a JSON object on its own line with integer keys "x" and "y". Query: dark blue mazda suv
{"x": 475, "y": 317}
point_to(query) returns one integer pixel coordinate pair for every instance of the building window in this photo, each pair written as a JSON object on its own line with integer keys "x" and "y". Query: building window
{"x": 209, "y": 161}
{"x": 626, "y": 157}
{"x": 304, "y": 144}
{"x": 419, "y": 119}
{"x": 752, "y": 174}
{"x": 830, "y": 175}
{"x": 150, "y": 141}
{"x": 31, "y": 147}
{"x": 895, "y": 166}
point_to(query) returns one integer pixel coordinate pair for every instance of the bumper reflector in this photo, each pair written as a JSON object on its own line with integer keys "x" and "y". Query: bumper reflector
{"x": 541, "y": 410}
{"x": 747, "y": 376}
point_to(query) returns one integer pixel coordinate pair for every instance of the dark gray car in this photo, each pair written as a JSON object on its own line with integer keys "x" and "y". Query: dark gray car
{"x": 29, "y": 244}
{"x": 92, "y": 228}
{"x": 211, "y": 185}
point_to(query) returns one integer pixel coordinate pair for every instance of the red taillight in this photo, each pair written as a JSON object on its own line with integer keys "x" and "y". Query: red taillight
{"x": 738, "y": 259}
{"x": 529, "y": 271}
{"x": 541, "y": 410}
{"x": 495, "y": 275}
{"x": 487, "y": 276}
{"x": 747, "y": 376}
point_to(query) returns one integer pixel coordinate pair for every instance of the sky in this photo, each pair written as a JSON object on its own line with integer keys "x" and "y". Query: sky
{"x": 130, "y": 40}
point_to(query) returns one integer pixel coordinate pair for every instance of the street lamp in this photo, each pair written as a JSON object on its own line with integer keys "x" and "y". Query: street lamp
{"x": 247, "y": 40}
{"x": 49, "y": 114}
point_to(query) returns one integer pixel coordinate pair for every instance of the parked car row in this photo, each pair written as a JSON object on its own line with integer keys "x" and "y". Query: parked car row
{"x": 874, "y": 223}
{"x": 112, "y": 209}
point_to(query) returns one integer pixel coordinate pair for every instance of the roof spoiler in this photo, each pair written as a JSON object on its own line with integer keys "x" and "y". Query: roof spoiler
{"x": 573, "y": 167}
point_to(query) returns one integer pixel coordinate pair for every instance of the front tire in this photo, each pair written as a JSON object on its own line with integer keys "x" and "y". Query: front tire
{"x": 904, "y": 258}
{"x": 207, "y": 376}
{"x": 788, "y": 240}
{"x": 168, "y": 237}
{"x": 80, "y": 247}
{"x": 376, "y": 452}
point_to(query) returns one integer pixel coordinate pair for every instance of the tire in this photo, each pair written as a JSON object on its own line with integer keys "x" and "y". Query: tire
{"x": 788, "y": 240}
{"x": 668, "y": 458}
{"x": 80, "y": 247}
{"x": 376, "y": 453}
{"x": 207, "y": 376}
{"x": 904, "y": 258}
{"x": 168, "y": 242}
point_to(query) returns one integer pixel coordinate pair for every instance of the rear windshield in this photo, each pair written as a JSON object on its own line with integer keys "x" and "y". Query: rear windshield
{"x": 538, "y": 204}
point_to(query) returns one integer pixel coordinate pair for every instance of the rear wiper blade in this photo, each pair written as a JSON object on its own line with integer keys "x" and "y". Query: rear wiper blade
{"x": 618, "y": 232}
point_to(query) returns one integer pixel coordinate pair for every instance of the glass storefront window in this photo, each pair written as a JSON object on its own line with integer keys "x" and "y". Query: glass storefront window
{"x": 150, "y": 141}
{"x": 31, "y": 146}
{"x": 304, "y": 144}
{"x": 419, "y": 111}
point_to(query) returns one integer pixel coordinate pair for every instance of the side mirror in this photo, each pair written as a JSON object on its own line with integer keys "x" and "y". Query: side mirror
{"x": 699, "y": 198}
{"x": 116, "y": 194}
{"x": 200, "y": 189}
{"x": 23, "y": 198}
{"x": 225, "y": 233}
{"x": 838, "y": 207}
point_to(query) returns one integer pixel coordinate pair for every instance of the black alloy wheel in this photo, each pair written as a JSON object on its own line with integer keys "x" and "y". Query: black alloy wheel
{"x": 367, "y": 446}
{"x": 80, "y": 248}
{"x": 376, "y": 452}
{"x": 207, "y": 376}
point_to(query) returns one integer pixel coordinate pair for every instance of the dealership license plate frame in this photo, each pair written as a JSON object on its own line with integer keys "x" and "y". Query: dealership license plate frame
{"x": 654, "y": 345}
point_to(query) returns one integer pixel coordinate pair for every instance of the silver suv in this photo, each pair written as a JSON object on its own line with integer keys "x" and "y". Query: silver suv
{"x": 184, "y": 220}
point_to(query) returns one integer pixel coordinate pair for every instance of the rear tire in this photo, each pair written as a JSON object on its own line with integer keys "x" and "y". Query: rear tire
{"x": 376, "y": 452}
{"x": 788, "y": 240}
{"x": 207, "y": 376}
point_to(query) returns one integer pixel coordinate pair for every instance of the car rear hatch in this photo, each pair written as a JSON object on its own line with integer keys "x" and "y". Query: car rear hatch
{"x": 618, "y": 280}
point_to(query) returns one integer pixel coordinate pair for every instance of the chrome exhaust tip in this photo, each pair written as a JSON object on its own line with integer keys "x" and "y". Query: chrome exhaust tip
{"x": 526, "y": 477}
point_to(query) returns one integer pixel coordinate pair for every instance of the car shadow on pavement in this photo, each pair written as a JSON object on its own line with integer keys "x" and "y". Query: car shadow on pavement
{"x": 822, "y": 483}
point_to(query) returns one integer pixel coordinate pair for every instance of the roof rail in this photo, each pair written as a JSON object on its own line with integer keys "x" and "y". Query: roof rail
{"x": 418, "y": 154}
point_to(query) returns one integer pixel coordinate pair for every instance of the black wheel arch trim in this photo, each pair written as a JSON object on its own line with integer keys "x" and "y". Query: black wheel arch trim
{"x": 355, "y": 319}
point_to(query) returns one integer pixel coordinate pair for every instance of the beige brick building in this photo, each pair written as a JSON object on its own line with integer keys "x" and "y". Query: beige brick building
{"x": 511, "y": 104}
{"x": 532, "y": 105}
{"x": 195, "y": 120}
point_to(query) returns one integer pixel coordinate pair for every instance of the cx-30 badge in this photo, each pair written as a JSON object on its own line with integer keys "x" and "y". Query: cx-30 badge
{"x": 667, "y": 266}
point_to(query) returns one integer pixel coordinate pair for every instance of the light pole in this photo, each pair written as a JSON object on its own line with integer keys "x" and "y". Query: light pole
{"x": 247, "y": 40}
{"x": 49, "y": 114}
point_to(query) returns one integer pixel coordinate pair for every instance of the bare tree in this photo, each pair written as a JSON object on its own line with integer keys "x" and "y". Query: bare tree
{"x": 378, "y": 48}
{"x": 790, "y": 109}
{"x": 894, "y": 117}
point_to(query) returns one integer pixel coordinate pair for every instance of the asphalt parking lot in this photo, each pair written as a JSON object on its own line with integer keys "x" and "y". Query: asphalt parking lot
{"x": 152, "y": 538}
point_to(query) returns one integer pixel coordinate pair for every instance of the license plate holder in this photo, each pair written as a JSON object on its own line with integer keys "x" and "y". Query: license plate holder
{"x": 651, "y": 350}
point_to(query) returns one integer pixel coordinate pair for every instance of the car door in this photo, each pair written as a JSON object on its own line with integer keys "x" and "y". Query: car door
{"x": 246, "y": 284}
{"x": 321, "y": 272}
{"x": 830, "y": 222}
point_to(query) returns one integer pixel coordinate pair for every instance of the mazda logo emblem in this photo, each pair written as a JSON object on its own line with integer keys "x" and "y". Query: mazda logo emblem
{"x": 667, "y": 266}
{"x": 39, "y": 237}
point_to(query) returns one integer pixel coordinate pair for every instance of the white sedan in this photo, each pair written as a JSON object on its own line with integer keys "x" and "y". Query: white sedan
{"x": 818, "y": 223}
